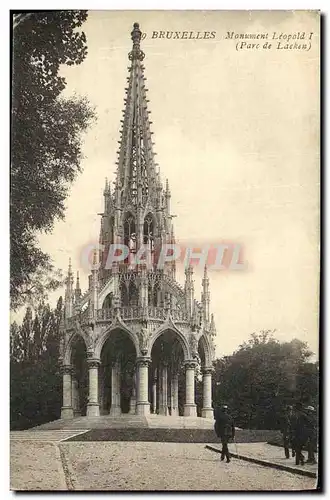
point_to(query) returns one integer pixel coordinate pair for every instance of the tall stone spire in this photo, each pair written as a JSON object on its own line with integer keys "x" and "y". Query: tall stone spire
{"x": 189, "y": 290}
{"x": 136, "y": 167}
{"x": 94, "y": 286}
{"x": 137, "y": 212}
{"x": 206, "y": 296}
{"x": 77, "y": 292}
{"x": 68, "y": 300}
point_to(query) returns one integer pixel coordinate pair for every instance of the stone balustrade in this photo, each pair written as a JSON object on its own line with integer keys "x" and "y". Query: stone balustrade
{"x": 135, "y": 312}
{"x": 130, "y": 313}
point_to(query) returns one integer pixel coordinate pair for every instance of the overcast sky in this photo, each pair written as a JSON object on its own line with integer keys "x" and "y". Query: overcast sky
{"x": 237, "y": 134}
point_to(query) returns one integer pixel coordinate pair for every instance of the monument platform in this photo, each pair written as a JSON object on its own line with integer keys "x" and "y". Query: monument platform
{"x": 128, "y": 421}
{"x": 156, "y": 428}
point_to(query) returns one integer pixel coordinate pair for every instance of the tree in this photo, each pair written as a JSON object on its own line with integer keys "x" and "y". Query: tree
{"x": 262, "y": 377}
{"x": 35, "y": 381}
{"x": 46, "y": 139}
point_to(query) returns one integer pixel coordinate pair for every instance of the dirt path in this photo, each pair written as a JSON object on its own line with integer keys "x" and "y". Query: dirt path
{"x": 138, "y": 466}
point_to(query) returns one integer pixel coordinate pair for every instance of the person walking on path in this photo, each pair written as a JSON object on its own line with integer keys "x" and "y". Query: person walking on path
{"x": 299, "y": 433}
{"x": 286, "y": 430}
{"x": 224, "y": 429}
{"x": 311, "y": 434}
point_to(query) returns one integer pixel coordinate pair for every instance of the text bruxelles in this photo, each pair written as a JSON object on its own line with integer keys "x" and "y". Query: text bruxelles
{"x": 184, "y": 35}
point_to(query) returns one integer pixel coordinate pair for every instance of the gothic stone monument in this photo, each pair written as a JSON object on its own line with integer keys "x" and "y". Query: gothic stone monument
{"x": 128, "y": 340}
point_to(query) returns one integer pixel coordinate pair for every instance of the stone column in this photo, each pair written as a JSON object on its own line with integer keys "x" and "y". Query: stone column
{"x": 154, "y": 391}
{"x": 93, "y": 407}
{"x": 102, "y": 392}
{"x": 142, "y": 404}
{"x": 160, "y": 393}
{"x": 67, "y": 410}
{"x": 115, "y": 409}
{"x": 118, "y": 385}
{"x": 163, "y": 408}
{"x": 190, "y": 406}
{"x": 75, "y": 398}
{"x": 154, "y": 395}
{"x": 207, "y": 410}
{"x": 132, "y": 403}
{"x": 175, "y": 395}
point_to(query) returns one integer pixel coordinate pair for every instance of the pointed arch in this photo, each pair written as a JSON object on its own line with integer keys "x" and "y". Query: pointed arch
{"x": 68, "y": 348}
{"x": 129, "y": 224}
{"x": 149, "y": 230}
{"x": 129, "y": 293}
{"x": 108, "y": 300}
{"x": 181, "y": 338}
{"x": 207, "y": 350}
{"x": 107, "y": 334}
{"x": 105, "y": 292}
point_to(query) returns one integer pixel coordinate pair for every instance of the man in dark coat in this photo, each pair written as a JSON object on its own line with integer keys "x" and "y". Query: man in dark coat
{"x": 299, "y": 433}
{"x": 311, "y": 434}
{"x": 224, "y": 429}
{"x": 286, "y": 430}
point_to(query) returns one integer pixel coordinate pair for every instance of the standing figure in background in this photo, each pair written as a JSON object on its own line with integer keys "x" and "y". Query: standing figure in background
{"x": 286, "y": 429}
{"x": 299, "y": 433}
{"x": 224, "y": 429}
{"x": 311, "y": 434}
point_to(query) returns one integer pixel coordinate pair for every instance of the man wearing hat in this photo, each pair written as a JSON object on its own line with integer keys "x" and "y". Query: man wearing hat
{"x": 311, "y": 434}
{"x": 224, "y": 429}
{"x": 286, "y": 429}
{"x": 299, "y": 432}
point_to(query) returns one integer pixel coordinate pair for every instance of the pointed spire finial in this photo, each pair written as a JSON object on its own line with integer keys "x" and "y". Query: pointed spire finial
{"x": 205, "y": 271}
{"x": 70, "y": 274}
{"x": 189, "y": 270}
{"x": 167, "y": 188}
{"x": 95, "y": 257}
{"x": 77, "y": 289}
{"x": 213, "y": 330}
{"x": 136, "y": 35}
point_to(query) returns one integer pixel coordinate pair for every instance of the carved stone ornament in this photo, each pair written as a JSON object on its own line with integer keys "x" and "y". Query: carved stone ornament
{"x": 143, "y": 361}
{"x": 61, "y": 347}
{"x": 93, "y": 363}
{"x": 66, "y": 369}
{"x": 193, "y": 345}
{"x": 144, "y": 336}
{"x": 190, "y": 365}
{"x": 207, "y": 371}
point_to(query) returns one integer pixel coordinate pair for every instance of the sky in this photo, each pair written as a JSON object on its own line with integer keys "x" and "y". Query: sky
{"x": 236, "y": 133}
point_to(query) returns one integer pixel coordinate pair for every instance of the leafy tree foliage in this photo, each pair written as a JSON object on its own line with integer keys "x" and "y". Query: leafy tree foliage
{"x": 35, "y": 381}
{"x": 46, "y": 138}
{"x": 262, "y": 377}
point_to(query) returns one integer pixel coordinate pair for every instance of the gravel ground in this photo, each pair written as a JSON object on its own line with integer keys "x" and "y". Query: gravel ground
{"x": 36, "y": 466}
{"x": 168, "y": 466}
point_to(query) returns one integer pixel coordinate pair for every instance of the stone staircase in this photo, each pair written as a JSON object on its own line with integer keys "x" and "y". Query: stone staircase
{"x": 127, "y": 427}
{"x": 49, "y": 436}
{"x": 102, "y": 422}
